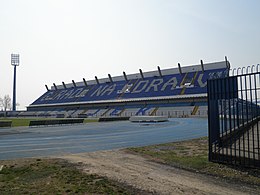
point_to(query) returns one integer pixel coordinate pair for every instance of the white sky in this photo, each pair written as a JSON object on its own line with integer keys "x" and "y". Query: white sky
{"x": 61, "y": 40}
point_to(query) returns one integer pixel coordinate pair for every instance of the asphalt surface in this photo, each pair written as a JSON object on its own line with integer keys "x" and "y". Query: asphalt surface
{"x": 71, "y": 139}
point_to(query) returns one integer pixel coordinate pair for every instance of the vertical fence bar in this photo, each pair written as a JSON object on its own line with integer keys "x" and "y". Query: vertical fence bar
{"x": 243, "y": 124}
{"x": 229, "y": 119}
{"x": 234, "y": 95}
{"x": 247, "y": 120}
{"x": 257, "y": 90}
{"x": 209, "y": 121}
{"x": 252, "y": 119}
{"x": 238, "y": 124}
{"x": 220, "y": 102}
{"x": 257, "y": 113}
{"x": 225, "y": 116}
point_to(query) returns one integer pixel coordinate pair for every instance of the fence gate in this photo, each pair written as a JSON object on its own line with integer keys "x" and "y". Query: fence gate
{"x": 234, "y": 120}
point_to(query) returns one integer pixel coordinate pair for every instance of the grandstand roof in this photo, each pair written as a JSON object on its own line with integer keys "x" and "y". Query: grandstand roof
{"x": 170, "y": 71}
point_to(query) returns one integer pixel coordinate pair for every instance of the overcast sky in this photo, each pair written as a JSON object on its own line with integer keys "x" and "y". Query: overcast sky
{"x": 61, "y": 40}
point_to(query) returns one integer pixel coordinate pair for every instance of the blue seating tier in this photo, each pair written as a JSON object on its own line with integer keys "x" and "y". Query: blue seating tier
{"x": 168, "y": 85}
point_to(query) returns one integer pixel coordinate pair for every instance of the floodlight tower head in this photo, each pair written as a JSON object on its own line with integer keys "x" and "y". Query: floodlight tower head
{"x": 14, "y": 62}
{"x": 15, "y": 59}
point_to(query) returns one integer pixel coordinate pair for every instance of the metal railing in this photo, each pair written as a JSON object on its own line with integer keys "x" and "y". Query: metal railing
{"x": 234, "y": 118}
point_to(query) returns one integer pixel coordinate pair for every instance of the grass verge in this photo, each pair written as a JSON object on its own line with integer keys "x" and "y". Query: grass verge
{"x": 18, "y": 122}
{"x": 53, "y": 176}
{"x": 90, "y": 120}
{"x": 193, "y": 155}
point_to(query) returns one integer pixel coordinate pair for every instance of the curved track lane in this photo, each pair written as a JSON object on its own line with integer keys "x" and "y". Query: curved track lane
{"x": 71, "y": 139}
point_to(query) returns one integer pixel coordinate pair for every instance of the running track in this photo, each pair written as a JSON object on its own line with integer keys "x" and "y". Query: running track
{"x": 71, "y": 139}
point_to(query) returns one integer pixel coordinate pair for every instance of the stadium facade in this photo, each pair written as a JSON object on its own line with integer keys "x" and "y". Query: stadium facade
{"x": 175, "y": 92}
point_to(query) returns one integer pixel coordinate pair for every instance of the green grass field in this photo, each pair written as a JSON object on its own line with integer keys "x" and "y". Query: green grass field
{"x": 18, "y": 122}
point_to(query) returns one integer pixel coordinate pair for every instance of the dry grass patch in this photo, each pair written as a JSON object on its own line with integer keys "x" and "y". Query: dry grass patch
{"x": 193, "y": 155}
{"x": 53, "y": 176}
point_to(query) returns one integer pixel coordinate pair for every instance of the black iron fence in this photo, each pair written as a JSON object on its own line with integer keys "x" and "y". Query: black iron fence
{"x": 234, "y": 119}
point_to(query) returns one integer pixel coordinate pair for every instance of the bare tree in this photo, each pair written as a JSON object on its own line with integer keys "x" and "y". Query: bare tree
{"x": 6, "y": 102}
{"x": 1, "y": 104}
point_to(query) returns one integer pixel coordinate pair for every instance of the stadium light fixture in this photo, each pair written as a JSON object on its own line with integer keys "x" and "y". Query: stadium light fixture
{"x": 15, "y": 61}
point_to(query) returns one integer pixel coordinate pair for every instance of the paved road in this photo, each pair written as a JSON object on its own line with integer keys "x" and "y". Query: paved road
{"x": 57, "y": 140}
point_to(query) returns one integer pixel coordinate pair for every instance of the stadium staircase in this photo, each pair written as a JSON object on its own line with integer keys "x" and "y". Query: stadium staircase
{"x": 104, "y": 114}
{"x": 153, "y": 113}
{"x": 183, "y": 79}
{"x": 195, "y": 109}
{"x": 133, "y": 81}
{"x": 84, "y": 111}
{"x": 183, "y": 90}
{"x": 183, "y": 82}
{"x": 194, "y": 78}
{"x": 122, "y": 94}
{"x": 121, "y": 112}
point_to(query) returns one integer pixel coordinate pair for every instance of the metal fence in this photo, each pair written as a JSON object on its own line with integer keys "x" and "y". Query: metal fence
{"x": 234, "y": 119}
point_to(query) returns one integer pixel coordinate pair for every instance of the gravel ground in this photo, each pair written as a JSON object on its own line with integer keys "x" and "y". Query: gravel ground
{"x": 140, "y": 173}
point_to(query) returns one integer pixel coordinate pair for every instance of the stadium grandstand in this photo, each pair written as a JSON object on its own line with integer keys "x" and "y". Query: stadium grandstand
{"x": 175, "y": 92}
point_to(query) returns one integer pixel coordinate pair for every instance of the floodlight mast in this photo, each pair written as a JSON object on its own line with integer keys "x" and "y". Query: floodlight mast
{"x": 14, "y": 62}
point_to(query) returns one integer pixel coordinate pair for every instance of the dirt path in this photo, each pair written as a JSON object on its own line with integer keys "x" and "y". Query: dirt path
{"x": 156, "y": 178}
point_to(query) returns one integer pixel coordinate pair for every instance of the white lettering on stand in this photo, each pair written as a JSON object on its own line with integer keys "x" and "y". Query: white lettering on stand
{"x": 154, "y": 84}
{"x": 144, "y": 82}
{"x": 172, "y": 82}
